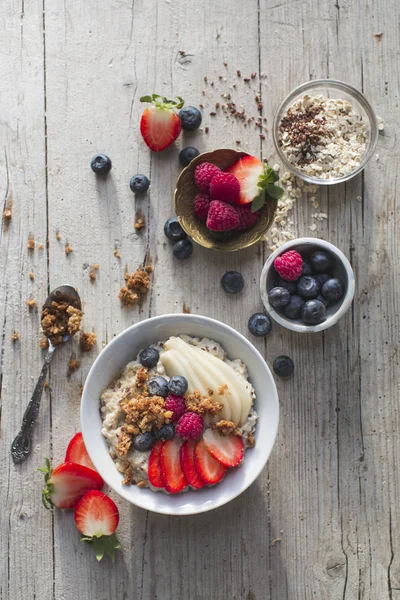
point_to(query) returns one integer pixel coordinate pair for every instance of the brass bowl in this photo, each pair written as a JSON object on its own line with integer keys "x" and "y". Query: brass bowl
{"x": 184, "y": 201}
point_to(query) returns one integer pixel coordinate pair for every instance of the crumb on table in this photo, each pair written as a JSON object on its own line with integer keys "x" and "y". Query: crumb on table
{"x": 31, "y": 275}
{"x": 127, "y": 297}
{"x": 58, "y": 235}
{"x": 140, "y": 222}
{"x": 148, "y": 269}
{"x": 92, "y": 273}
{"x": 73, "y": 364}
{"x": 31, "y": 243}
{"x": 87, "y": 341}
{"x": 46, "y": 384}
{"x": 68, "y": 249}
{"x": 116, "y": 253}
{"x": 15, "y": 336}
{"x": 136, "y": 286}
{"x": 7, "y": 215}
{"x": 44, "y": 343}
{"x": 32, "y": 303}
{"x": 185, "y": 309}
{"x": 40, "y": 246}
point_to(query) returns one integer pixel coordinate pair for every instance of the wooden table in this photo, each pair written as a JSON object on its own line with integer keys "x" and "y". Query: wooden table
{"x": 322, "y": 521}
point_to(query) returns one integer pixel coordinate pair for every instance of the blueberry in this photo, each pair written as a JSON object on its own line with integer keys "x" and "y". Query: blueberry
{"x": 308, "y": 287}
{"x": 321, "y": 261}
{"x": 313, "y": 312}
{"x": 178, "y": 385}
{"x": 288, "y": 285}
{"x": 158, "y": 386}
{"x": 324, "y": 301}
{"x": 221, "y": 236}
{"x": 148, "y": 357}
{"x": 279, "y": 297}
{"x": 306, "y": 269}
{"x": 283, "y": 366}
{"x": 166, "y": 432}
{"x": 333, "y": 289}
{"x": 101, "y": 164}
{"x": 144, "y": 441}
{"x": 322, "y": 278}
{"x": 183, "y": 249}
{"x": 139, "y": 184}
{"x": 294, "y": 308}
{"x": 259, "y": 324}
{"x": 173, "y": 230}
{"x": 232, "y": 282}
{"x": 187, "y": 155}
{"x": 190, "y": 117}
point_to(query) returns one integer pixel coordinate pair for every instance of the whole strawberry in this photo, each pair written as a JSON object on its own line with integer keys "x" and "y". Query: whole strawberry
{"x": 222, "y": 216}
{"x": 247, "y": 218}
{"x": 203, "y": 174}
{"x": 289, "y": 265}
{"x": 225, "y": 187}
{"x": 201, "y": 206}
{"x": 160, "y": 125}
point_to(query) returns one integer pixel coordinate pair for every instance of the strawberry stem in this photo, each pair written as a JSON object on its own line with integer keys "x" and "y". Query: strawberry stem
{"x": 105, "y": 544}
{"x": 163, "y": 103}
{"x": 48, "y": 489}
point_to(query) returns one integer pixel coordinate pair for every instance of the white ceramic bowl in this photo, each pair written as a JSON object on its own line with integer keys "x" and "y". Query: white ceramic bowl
{"x": 341, "y": 269}
{"x": 125, "y": 348}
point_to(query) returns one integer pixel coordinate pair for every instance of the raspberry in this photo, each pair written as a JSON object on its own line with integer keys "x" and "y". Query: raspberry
{"x": 225, "y": 187}
{"x": 203, "y": 174}
{"x": 201, "y": 206}
{"x": 176, "y": 404}
{"x": 289, "y": 265}
{"x": 246, "y": 218}
{"x": 190, "y": 426}
{"x": 222, "y": 216}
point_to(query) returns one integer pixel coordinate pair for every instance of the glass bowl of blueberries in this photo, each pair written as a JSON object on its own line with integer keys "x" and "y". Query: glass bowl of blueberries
{"x": 307, "y": 285}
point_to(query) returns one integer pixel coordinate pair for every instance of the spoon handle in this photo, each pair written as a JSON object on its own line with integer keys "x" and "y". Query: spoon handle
{"x": 22, "y": 445}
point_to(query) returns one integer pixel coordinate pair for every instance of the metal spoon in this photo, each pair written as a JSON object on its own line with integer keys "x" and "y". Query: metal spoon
{"x": 22, "y": 445}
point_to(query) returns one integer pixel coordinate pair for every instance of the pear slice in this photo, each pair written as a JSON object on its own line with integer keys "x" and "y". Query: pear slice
{"x": 218, "y": 374}
{"x": 175, "y": 363}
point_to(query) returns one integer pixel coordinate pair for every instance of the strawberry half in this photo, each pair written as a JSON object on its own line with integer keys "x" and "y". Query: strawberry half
{"x": 172, "y": 473}
{"x": 67, "y": 483}
{"x": 188, "y": 465}
{"x": 256, "y": 180}
{"x": 228, "y": 450}
{"x": 160, "y": 125}
{"x": 209, "y": 469}
{"x": 96, "y": 517}
{"x": 77, "y": 453}
{"x": 154, "y": 472}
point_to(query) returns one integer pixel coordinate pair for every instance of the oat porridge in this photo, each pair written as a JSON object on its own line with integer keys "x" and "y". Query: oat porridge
{"x": 179, "y": 415}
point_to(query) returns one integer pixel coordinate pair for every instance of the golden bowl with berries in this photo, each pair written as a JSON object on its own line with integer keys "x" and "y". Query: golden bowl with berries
{"x": 252, "y": 175}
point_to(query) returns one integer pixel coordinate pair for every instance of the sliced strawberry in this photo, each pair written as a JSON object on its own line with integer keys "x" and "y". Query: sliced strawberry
{"x": 226, "y": 449}
{"x": 154, "y": 473}
{"x": 96, "y": 517}
{"x": 160, "y": 125}
{"x": 248, "y": 170}
{"x": 172, "y": 473}
{"x": 67, "y": 483}
{"x": 209, "y": 469}
{"x": 188, "y": 465}
{"x": 77, "y": 453}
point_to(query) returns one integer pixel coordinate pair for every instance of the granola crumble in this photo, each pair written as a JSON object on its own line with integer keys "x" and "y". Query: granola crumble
{"x": 227, "y": 427}
{"x": 15, "y": 336}
{"x": 136, "y": 286}
{"x": 44, "y": 343}
{"x": 202, "y": 404}
{"x": 144, "y": 412}
{"x": 250, "y": 441}
{"x": 116, "y": 253}
{"x": 31, "y": 243}
{"x": 92, "y": 272}
{"x": 68, "y": 249}
{"x": 60, "y": 319}
{"x": 127, "y": 297}
{"x": 7, "y": 215}
{"x": 221, "y": 390}
{"x": 31, "y": 303}
{"x": 58, "y": 235}
{"x": 73, "y": 364}
{"x": 87, "y": 341}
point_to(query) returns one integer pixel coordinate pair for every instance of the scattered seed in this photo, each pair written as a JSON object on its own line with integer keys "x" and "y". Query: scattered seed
{"x": 246, "y": 79}
{"x": 206, "y": 130}
{"x": 238, "y": 73}
{"x": 31, "y": 276}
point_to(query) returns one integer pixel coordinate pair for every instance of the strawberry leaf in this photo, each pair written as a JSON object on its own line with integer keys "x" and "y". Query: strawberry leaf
{"x": 274, "y": 191}
{"x": 105, "y": 544}
{"x": 162, "y": 102}
{"x": 146, "y": 99}
{"x": 48, "y": 488}
{"x": 258, "y": 203}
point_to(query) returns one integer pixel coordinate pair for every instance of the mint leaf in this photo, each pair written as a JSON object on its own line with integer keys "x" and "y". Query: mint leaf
{"x": 274, "y": 191}
{"x": 258, "y": 203}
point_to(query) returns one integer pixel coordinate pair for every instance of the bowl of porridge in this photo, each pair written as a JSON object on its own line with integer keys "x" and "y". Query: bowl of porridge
{"x": 325, "y": 131}
{"x": 179, "y": 414}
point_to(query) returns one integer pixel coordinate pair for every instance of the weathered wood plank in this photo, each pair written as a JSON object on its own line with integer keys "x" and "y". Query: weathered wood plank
{"x": 26, "y": 540}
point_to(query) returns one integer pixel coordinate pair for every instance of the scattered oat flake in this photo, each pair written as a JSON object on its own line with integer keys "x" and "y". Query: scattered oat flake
{"x": 58, "y": 235}
{"x": 275, "y": 541}
{"x": 15, "y": 336}
{"x": 31, "y": 275}
{"x": 68, "y": 249}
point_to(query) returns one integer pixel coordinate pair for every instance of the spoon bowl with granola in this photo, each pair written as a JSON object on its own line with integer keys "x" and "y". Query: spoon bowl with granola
{"x": 179, "y": 414}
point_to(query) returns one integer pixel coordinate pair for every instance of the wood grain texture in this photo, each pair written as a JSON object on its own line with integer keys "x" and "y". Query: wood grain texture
{"x": 322, "y": 520}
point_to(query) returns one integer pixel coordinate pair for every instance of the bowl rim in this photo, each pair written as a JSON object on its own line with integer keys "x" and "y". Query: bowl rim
{"x": 359, "y": 97}
{"x": 332, "y": 319}
{"x": 216, "y": 246}
{"x": 195, "y": 319}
